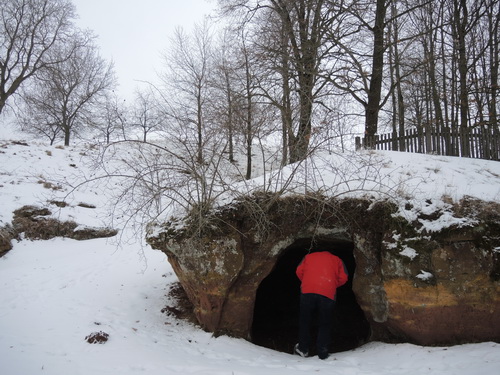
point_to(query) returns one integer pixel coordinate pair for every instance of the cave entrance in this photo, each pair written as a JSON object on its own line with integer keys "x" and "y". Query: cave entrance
{"x": 276, "y": 311}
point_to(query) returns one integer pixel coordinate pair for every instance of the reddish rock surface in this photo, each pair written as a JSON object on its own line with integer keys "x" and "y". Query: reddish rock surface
{"x": 411, "y": 286}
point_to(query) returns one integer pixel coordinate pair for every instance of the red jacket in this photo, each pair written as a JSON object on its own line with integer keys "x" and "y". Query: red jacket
{"x": 321, "y": 273}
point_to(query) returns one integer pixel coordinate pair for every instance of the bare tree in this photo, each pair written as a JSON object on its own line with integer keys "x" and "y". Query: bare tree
{"x": 30, "y": 31}
{"x": 276, "y": 76}
{"x": 454, "y": 62}
{"x": 146, "y": 113}
{"x": 361, "y": 49}
{"x": 493, "y": 27}
{"x": 113, "y": 116}
{"x": 244, "y": 114}
{"x": 39, "y": 123}
{"x": 187, "y": 81}
{"x": 226, "y": 102}
{"x": 65, "y": 93}
{"x": 305, "y": 25}
{"x": 377, "y": 67}
{"x": 301, "y": 28}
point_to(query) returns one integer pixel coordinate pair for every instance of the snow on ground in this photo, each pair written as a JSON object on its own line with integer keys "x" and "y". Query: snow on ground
{"x": 34, "y": 174}
{"x": 54, "y": 293}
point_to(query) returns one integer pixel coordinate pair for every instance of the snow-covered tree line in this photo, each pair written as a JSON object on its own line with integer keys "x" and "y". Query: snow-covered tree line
{"x": 303, "y": 73}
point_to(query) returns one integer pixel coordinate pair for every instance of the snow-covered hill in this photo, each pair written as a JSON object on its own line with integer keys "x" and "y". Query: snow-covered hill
{"x": 55, "y": 293}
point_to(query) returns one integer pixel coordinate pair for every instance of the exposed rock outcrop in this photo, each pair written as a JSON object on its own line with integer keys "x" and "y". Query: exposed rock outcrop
{"x": 6, "y": 235}
{"x": 413, "y": 285}
{"x": 36, "y": 224}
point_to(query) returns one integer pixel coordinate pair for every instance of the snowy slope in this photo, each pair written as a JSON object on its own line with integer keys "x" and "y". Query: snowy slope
{"x": 410, "y": 180}
{"x": 55, "y": 293}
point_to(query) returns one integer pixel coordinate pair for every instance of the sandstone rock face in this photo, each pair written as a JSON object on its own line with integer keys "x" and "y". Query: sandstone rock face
{"x": 411, "y": 284}
{"x": 434, "y": 288}
{"x": 447, "y": 294}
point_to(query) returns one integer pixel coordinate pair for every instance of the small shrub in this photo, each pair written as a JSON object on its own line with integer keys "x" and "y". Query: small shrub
{"x": 49, "y": 185}
{"x": 6, "y": 235}
{"x": 181, "y": 307}
{"x": 60, "y": 204}
{"x": 97, "y": 337}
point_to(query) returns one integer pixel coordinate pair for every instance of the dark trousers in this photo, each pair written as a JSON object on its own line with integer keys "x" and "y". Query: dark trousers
{"x": 311, "y": 303}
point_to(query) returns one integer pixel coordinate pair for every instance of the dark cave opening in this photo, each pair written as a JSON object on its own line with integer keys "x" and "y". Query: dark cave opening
{"x": 276, "y": 311}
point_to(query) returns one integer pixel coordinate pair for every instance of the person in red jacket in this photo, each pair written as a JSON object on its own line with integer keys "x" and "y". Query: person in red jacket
{"x": 320, "y": 273}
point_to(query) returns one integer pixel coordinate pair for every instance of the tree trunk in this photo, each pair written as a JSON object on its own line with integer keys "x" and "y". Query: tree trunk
{"x": 299, "y": 146}
{"x": 286, "y": 123}
{"x": 249, "y": 130}
{"x": 285, "y": 107}
{"x": 398, "y": 98}
{"x": 493, "y": 23}
{"x": 461, "y": 21}
{"x": 2, "y": 103}
{"x": 199, "y": 126}
{"x": 303, "y": 24}
{"x": 375, "y": 89}
{"x": 392, "y": 62}
{"x": 229, "y": 117}
{"x": 67, "y": 134}
{"x": 430, "y": 47}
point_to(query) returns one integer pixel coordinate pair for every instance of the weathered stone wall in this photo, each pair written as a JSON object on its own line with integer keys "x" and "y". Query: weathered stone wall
{"x": 415, "y": 286}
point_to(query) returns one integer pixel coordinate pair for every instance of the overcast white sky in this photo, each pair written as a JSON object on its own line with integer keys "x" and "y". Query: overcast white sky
{"x": 133, "y": 33}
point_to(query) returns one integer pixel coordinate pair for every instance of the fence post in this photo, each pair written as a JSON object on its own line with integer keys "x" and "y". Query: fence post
{"x": 446, "y": 145}
{"x": 454, "y": 142}
{"x": 358, "y": 143}
{"x": 487, "y": 142}
{"x": 495, "y": 143}
{"x": 395, "y": 141}
{"x": 369, "y": 142}
{"x": 482, "y": 142}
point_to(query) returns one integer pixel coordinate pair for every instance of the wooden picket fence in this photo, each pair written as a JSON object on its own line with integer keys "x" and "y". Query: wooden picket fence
{"x": 479, "y": 142}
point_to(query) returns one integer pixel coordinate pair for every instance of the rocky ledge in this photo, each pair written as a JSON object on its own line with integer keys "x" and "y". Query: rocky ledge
{"x": 408, "y": 283}
{"x": 36, "y": 224}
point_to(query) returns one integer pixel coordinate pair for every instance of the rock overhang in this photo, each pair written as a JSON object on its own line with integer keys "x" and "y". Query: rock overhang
{"x": 393, "y": 289}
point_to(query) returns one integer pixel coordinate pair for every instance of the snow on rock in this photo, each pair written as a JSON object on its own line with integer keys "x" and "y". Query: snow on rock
{"x": 424, "y": 275}
{"x": 409, "y": 252}
{"x": 421, "y": 185}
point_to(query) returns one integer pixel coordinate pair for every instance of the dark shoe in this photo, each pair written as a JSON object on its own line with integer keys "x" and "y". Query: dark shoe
{"x": 296, "y": 350}
{"x": 323, "y": 355}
